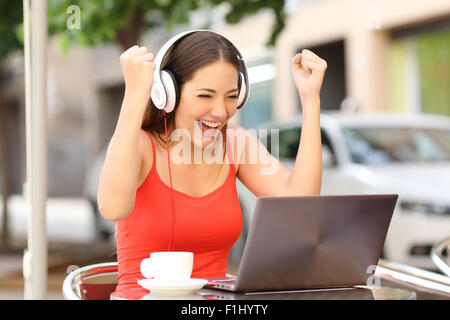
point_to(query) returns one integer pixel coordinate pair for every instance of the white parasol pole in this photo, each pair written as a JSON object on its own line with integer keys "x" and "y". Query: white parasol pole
{"x": 26, "y": 188}
{"x": 35, "y": 189}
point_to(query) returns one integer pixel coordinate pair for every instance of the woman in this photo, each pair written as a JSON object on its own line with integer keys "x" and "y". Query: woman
{"x": 136, "y": 178}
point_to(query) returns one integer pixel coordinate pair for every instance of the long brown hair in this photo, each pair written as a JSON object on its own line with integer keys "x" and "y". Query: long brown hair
{"x": 186, "y": 56}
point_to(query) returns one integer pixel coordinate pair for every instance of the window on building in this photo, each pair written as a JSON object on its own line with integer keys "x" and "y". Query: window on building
{"x": 419, "y": 69}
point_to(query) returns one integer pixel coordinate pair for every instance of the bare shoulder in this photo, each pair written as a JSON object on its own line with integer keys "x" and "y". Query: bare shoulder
{"x": 234, "y": 126}
{"x": 145, "y": 145}
{"x": 146, "y": 155}
{"x": 235, "y": 132}
{"x": 239, "y": 132}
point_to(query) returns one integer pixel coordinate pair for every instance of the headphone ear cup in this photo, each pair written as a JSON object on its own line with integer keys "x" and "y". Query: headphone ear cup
{"x": 242, "y": 91}
{"x": 170, "y": 85}
{"x": 158, "y": 95}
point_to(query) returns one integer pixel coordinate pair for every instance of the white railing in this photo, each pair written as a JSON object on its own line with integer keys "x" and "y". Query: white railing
{"x": 414, "y": 276}
{"x": 437, "y": 256}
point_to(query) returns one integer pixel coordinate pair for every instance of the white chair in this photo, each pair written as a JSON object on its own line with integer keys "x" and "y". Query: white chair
{"x": 92, "y": 282}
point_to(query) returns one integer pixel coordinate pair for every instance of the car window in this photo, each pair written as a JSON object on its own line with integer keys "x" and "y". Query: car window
{"x": 375, "y": 146}
{"x": 289, "y": 140}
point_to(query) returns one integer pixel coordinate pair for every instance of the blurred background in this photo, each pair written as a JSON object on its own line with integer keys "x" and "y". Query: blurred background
{"x": 385, "y": 104}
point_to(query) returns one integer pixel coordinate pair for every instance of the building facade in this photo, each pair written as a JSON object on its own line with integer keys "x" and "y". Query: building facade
{"x": 381, "y": 55}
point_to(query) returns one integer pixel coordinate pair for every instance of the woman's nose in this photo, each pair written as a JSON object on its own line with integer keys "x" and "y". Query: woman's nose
{"x": 219, "y": 111}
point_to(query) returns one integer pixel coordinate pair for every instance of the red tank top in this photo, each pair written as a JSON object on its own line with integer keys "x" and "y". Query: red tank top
{"x": 208, "y": 226}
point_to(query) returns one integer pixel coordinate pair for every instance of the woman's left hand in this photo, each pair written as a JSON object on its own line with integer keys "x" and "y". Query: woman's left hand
{"x": 308, "y": 70}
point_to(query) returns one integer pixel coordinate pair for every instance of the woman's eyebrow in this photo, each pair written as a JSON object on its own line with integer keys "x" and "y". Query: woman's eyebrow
{"x": 214, "y": 91}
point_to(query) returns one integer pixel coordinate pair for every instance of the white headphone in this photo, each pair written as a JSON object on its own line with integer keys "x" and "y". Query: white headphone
{"x": 165, "y": 92}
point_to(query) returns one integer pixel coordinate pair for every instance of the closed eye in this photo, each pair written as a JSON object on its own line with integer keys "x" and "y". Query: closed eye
{"x": 206, "y": 96}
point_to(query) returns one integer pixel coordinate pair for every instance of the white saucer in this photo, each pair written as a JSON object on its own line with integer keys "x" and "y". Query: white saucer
{"x": 188, "y": 296}
{"x": 172, "y": 287}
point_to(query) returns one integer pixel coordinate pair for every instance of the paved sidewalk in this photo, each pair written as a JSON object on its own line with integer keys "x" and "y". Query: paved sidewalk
{"x": 12, "y": 284}
{"x": 60, "y": 258}
{"x": 15, "y": 294}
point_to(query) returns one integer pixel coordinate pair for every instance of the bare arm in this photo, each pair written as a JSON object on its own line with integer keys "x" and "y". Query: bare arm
{"x": 121, "y": 169}
{"x": 271, "y": 177}
{"x": 120, "y": 172}
{"x": 308, "y": 71}
{"x": 306, "y": 176}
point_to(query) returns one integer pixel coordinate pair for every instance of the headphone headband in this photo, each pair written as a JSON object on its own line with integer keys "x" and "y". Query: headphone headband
{"x": 164, "y": 91}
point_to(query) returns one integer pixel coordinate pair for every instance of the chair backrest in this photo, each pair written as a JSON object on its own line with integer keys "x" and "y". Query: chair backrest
{"x": 92, "y": 282}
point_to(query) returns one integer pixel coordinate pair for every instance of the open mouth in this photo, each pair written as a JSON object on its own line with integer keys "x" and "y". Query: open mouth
{"x": 208, "y": 128}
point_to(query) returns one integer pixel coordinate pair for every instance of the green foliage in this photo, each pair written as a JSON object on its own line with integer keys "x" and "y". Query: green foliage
{"x": 98, "y": 20}
{"x": 11, "y": 18}
{"x": 243, "y": 8}
{"x": 101, "y": 20}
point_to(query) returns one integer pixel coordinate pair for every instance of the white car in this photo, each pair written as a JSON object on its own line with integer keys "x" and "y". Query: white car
{"x": 405, "y": 154}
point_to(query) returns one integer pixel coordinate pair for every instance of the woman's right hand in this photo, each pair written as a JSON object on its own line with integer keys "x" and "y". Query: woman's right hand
{"x": 138, "y": 68}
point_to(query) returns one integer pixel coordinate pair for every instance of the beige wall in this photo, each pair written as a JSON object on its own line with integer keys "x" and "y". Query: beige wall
{"x": 363, "y": 24}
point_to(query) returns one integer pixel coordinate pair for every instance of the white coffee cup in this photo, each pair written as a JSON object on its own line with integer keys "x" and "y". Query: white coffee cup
{"x": 168, "y": 265}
